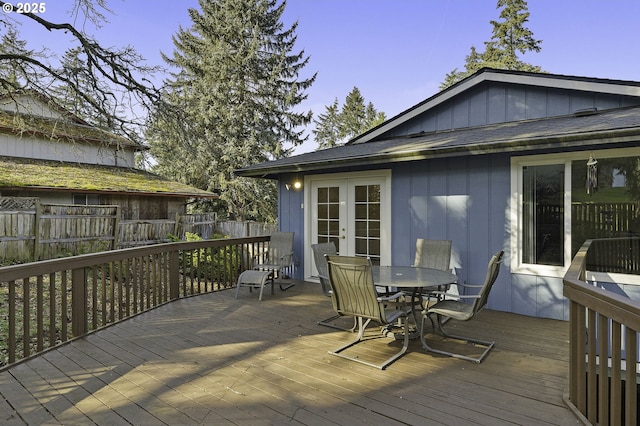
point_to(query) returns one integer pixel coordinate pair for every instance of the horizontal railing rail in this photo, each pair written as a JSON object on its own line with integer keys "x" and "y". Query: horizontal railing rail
{"x": 603, "y": 347}
{"x": 47, "y": 303}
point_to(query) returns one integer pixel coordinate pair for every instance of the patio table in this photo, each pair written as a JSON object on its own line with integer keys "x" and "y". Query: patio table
{"x": 413, "y": 279}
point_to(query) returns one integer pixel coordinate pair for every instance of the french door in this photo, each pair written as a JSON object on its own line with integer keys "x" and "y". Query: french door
{"x": 353, "y": 212}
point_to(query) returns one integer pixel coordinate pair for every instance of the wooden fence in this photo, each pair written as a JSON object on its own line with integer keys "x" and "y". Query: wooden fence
{"x": 238, "y": 229}
{"x": 32, "y": 231}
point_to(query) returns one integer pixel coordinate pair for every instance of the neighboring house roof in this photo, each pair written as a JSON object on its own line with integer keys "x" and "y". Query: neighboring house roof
{"x": 52, "y": 129}
{"x": 586, "y": 128}
{"x": 608, "y": 128}
{"x": 41, "y": 175}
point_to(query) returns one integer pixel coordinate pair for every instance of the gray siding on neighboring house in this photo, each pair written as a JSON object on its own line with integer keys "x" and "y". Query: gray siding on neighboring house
{"x": 494, "y": 102}
{"x": 40, "y": 148}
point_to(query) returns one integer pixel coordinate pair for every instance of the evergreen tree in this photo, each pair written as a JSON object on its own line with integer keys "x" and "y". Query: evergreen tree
{"x": 509, "y": 37}
{"x": 13, "y": 73}
{"x": 232, "y": 103}
{"x": 333, "y": 128}
{"x": 327, "y": 131}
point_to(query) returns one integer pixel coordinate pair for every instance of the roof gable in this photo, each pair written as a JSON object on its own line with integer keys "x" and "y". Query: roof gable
{"x": 29, "y": 112}
{"x": 515, "y": 96}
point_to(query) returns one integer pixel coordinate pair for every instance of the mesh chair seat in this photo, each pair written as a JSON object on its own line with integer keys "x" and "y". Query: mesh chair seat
{"x": 453, "y": 309}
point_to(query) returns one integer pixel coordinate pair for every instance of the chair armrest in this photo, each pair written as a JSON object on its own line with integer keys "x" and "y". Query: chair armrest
{"x": 469, "y": 285}
{"x": 453, "y": 296}
{"x": 391, "y": 297}
{"x": 286, "y": 255}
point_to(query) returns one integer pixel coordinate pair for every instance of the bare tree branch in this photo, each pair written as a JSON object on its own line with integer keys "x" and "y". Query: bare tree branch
{"x": 119, "y": 84}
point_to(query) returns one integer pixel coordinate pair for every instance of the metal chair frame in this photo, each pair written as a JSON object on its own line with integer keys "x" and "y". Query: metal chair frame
{"x": 319, "y": 251}
{"x": 459, "y": 310}
{"x": 354, "y": 294}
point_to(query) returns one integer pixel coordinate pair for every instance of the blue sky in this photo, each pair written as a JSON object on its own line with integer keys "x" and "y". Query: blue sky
{"x": 396, "y": 52}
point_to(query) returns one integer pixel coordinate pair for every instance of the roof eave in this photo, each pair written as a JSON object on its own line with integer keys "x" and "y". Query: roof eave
{"x": 120, "y": 192}
{"x": 517, "y": 145}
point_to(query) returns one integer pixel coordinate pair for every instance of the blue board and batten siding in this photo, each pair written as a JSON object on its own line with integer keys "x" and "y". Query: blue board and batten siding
{"x": 493, "y": 103}
{"x": 291, "y": 219}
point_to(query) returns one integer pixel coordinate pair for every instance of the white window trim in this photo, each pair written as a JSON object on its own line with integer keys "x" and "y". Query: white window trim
{"x": 515, "y": 213}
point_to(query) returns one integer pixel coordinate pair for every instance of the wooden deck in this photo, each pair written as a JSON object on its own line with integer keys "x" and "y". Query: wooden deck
{"x": 212, "y": 359}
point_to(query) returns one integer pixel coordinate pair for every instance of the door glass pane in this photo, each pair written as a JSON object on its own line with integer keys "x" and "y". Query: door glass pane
{"x": 323, "y": 211}
{"x": 334, "y": 195}
{"x": 361, "y": 229}
{"x": 543, "y": 214}
{"x": 323, "y": 195}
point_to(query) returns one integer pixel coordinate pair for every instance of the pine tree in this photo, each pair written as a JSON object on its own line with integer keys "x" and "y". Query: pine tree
{"x": 352, "y": 116}
{"x": 14, "y": 74}
{"x": 333, "y": 128}
{"x": 509, "y": 37}
{"x": 233, "y": 101}
{"x": 326, "y": 132}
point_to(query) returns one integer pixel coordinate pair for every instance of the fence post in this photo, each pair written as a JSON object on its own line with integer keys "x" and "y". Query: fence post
{"x": 116, "y": 228}
{"x": 79, "y": 307}
{"x": 174, "y": 275}
{"x": 176, "y": 226}
{"x": 36, "y": 231}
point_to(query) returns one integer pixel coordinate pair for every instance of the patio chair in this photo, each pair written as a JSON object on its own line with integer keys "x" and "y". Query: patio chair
{"x": 278, "y": 257}
{"x": 354, "y": 294}
{"x": 461, "y": 311}
{"x": 434, "y": 254}
{"x": 319, "y": 252}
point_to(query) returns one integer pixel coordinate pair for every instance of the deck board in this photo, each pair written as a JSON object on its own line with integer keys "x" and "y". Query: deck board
{"x": 213, "y": 359}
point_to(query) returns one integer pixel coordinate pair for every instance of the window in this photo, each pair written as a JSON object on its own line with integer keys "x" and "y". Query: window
{"x": 86, "y": 199}
{"x": 561, "y": 201}
{"x": 543, "y": 214}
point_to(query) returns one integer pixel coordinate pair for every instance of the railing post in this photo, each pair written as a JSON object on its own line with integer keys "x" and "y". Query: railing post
{"x": 79, "y": 305}
{"x": 174, "y": 274}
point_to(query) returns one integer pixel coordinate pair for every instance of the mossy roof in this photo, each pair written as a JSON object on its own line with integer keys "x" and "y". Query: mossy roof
{"x": 17, "y": 173}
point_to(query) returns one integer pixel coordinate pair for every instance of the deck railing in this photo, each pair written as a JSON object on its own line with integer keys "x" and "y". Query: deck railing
{"x": 44, "y": 304}
{"x": 603, "y": 347}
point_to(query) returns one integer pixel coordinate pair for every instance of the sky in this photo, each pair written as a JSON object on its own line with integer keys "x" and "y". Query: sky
{"x": 397, "y": 52}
